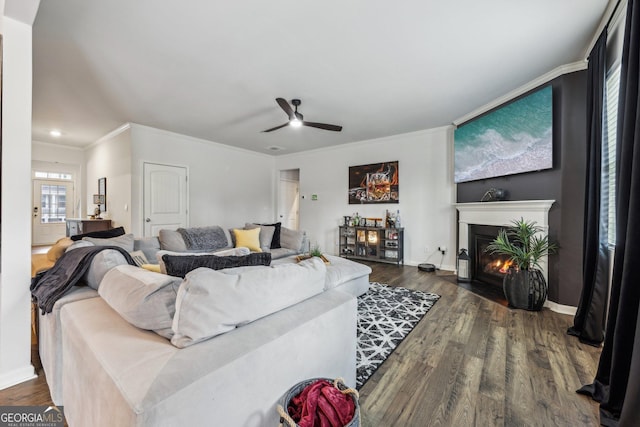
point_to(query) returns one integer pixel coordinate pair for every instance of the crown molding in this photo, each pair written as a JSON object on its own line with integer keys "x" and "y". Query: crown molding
{"x": 545, "y": 78}
{"x": 199, "y": 140}
{"x": 611, "y": 16}
{"x": 117, "y": 131}
{"x": 365, "y": 142}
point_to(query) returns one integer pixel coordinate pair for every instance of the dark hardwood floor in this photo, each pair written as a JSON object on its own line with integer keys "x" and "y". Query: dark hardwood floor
{"x": 474, "y": 362}
{"x": 469, "y": 362}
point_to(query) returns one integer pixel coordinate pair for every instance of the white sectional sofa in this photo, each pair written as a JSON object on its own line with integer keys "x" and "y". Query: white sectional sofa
{"x": 106, "y": 371}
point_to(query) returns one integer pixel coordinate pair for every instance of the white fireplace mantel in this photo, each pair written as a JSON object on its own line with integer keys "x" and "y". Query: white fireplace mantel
{"x": 502, "y": 214}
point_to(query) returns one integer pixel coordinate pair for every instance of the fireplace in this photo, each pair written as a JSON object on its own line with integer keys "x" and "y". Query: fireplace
{"x": 485, "y": 218}
{"x": 486, "y": 267}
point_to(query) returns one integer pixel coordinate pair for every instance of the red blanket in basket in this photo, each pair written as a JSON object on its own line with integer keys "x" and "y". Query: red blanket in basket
{"x": 320, "y": 404}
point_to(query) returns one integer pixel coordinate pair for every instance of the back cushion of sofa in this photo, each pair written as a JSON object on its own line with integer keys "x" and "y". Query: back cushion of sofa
{"x": 171, "y": 240}
{"x": 210, "y": 303}
{"x": 143, "y": 298}
{"x": 266, "y": 235}
{"x": 291, "y": 239}
{"x": 149, "y": 246}
{"x": 101, "y": 263}
{"x": 125, "y": 241}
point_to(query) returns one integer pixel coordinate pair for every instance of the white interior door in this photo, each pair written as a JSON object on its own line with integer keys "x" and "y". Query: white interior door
{"x": 165, "y": 198}
{"x": 289, "y": 203}
{"x": 52, "y": 204}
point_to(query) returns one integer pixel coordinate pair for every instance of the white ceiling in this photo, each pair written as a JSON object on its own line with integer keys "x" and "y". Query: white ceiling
{"x": 212, "y": 69}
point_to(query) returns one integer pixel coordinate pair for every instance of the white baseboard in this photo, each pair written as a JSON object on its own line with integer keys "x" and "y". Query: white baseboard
{"x": 562, "y": 309}
{"x": 451, "y": 268}
{"x": 17, "y": 376}
{"x": 553, "y": 306}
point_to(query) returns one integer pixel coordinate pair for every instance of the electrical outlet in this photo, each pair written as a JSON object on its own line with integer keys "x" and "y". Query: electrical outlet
{"x": 426, "y": 249}
{"x": 442, "y": 249}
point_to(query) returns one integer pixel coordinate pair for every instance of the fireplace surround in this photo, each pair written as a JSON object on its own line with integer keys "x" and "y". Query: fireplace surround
{"x": 488, "y": 217}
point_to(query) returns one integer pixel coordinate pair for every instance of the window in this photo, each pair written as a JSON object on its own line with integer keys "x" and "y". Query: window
{"x": 54, "y": 203}
{"x": 612, "y": 89}
{"x": 52, "y": 175}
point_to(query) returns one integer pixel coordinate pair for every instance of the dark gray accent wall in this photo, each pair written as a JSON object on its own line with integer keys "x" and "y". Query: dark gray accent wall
{"x": 564, "y": 183}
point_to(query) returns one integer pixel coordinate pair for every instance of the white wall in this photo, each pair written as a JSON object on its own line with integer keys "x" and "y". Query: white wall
{"x": 15, "y": 308}
{"x": 59, "y": 158}
{"x": 227, "y": 186}
{"x": 110, "y": 157}
{"x": 426, "y": 191}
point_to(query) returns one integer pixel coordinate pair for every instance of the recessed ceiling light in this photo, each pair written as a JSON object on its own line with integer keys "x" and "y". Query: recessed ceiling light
{"x": 55, "y": 133}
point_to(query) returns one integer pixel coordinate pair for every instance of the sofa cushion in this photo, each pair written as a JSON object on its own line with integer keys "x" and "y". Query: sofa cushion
{"x": 225, "y": 252}
{"x": 58, "y": 248}
{"x": 148, "y": 245}
{"x": 101, "y": 264}
{"x": 266, "y": 234}
{"x": 180, "y": 265}
{"x": 282, "y": 253}
{"x": 40, "y": 262}
{"x": 203, "y": 239}
{"x": 291, "y": 239}
{"x": 275, "y": 241}
{"x": 125, "y": 241}
{"x": 210, "y": 303}
{"x": 100, "y": 234}
{"x": 171, "y": 240}
{"x": 143, "y": 298}
{"x": 248, "y": 238}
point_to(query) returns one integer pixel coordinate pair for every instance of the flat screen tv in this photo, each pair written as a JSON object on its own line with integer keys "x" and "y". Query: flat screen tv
{"x": 514, "y": 138}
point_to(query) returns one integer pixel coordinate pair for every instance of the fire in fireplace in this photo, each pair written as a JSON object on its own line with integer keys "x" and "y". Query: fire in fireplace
{"x": 486, "y": 267}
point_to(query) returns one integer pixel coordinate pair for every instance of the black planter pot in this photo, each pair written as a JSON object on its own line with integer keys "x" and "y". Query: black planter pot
{"x": 525, "y": 289}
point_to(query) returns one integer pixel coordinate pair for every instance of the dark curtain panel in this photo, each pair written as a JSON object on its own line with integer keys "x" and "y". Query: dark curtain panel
{"x": 617, "y": 382}
{"x": 589, "y": 322}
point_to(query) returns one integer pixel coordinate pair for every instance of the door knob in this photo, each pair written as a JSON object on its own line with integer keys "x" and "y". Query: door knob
{"x": 148, "y": 220}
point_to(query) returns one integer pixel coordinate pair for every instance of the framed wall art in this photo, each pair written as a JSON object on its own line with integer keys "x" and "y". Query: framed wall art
{"x": 374, "y": 183}
{"x": 514, "y": 138}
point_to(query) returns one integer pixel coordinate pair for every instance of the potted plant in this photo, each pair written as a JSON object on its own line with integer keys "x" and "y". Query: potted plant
{"x": 315, "y": 251}
{"x": 525, "y": 245}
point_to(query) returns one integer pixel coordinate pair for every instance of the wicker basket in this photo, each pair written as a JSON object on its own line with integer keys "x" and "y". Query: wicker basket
{"x": 286, "y": 420}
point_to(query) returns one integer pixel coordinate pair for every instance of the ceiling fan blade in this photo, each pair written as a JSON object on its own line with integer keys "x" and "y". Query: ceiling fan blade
{"x": 285, "y": 106}
{"x": 324, "y": 126}
{"x": 276, "y": 128}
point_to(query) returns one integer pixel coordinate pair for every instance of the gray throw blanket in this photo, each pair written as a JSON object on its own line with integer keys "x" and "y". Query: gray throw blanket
{"x": 49, "y": 286}
{"x": 204, "y": 238}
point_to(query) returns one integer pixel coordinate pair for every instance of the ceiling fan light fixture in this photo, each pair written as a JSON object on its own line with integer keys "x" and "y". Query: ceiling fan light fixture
{"x": 297, "y": 119}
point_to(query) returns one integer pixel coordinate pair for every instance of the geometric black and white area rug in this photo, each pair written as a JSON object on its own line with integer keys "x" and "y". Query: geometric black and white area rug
{"x": 386, "y": 315}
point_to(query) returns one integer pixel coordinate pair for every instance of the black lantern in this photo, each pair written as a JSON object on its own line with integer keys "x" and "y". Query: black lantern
{"x": 464, "y": 266}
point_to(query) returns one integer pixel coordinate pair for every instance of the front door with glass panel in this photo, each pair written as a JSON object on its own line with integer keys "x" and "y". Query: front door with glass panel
{"x": 52, "y": 204}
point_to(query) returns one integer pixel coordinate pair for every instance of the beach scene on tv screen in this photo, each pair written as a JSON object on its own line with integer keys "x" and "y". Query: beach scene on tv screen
{"x": 512, "y": 139}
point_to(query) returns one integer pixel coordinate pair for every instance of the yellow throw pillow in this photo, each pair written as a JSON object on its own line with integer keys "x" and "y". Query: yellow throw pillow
{"x": 58, "y": 248}
{"x": 248, "y": 238}
{"x": 151, "y": 267}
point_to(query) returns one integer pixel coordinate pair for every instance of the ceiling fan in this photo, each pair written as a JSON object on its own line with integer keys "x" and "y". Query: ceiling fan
{"x": 296, "y": 119}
